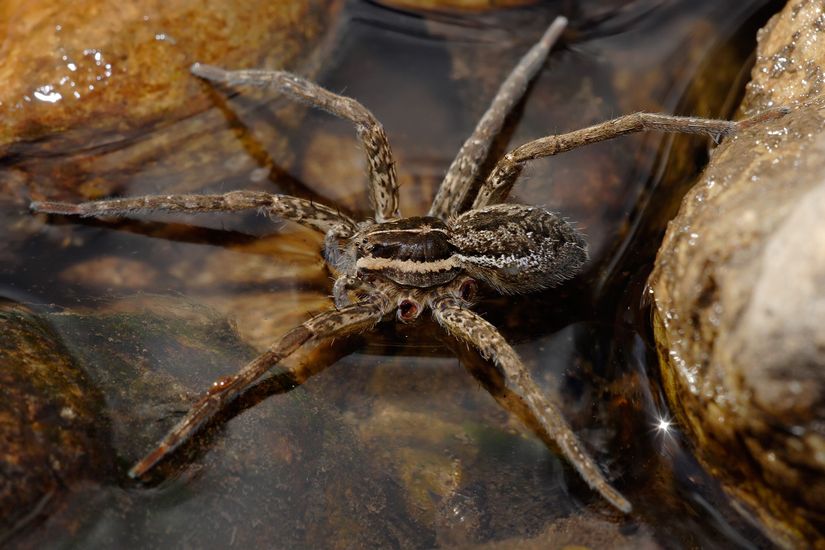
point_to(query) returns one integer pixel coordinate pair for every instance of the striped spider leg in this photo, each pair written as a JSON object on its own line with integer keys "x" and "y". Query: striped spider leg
{"x": 471, "y": 328}
{"x": 465, "y": 168}
{"x": 501, "y": 179}
{"x": 310, "y": 214}
{"x": 383, "y": 181}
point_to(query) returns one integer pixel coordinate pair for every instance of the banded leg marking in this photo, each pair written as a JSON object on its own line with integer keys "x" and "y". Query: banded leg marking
{"x": 310, "y": 214}
{"x": 383, "y": 180}
{"x": 472, "y": 329}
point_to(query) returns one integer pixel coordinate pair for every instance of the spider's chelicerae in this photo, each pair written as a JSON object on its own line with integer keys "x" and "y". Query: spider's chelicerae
{"x": 407, "y": 265}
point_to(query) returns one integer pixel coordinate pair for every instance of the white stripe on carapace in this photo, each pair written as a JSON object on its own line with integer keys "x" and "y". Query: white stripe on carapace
{"x": 412, "y": 230}
{"x": 406, "y": 266}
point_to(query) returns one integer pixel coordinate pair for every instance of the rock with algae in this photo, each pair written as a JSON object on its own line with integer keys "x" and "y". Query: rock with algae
{"x": 738, "y": 301}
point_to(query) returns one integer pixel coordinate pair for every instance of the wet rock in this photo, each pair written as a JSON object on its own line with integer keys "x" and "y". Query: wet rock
{"x": 789, "y": 68}
{"x": 52, "y": 425}
{"x": 150, "y": 355}
{"x": 737, "y": 288}
{"x": 102, "y": 65}
{"x": 429, "y": 475}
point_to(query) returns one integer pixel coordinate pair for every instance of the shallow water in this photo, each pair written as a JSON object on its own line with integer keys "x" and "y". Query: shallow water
{"x": 394, "y": 444}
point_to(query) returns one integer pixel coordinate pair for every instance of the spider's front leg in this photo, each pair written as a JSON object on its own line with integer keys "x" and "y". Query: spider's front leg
{"x": 472, "y": 329}
{"x": 329, "y": 324}
{"x": 383, "y": 181}
{"x": 310, "y": 214}
{"x": 498, "y": 184}
{"x": 464, "y": 170}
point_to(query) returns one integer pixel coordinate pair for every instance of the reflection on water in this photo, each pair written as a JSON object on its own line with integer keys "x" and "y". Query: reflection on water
{"x": 394, "y": 444}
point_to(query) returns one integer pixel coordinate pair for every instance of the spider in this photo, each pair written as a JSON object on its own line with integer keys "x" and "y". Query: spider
{"x": 405, "y": 265}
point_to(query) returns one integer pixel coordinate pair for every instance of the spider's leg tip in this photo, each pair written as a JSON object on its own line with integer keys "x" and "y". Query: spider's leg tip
{"x": 617, "y": 499}
{"x": 624, "y": 506}
{"x": 55, "y": 207}
{"x": 207, "y": 72}
{"x": 148, "y": 462}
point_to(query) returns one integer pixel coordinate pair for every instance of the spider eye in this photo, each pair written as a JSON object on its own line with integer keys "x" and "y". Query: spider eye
{"x": 407, "y": 310}
{"x": 468, "y": 290}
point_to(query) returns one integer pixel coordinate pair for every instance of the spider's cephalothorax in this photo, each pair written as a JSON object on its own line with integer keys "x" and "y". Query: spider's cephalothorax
{"x": 409, "y": 251}
{"x": 391, "y": 264}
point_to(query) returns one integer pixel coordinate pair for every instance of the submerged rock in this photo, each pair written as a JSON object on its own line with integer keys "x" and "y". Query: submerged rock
{"x": 52, "y": 433}
{"x": 738, "y": 301}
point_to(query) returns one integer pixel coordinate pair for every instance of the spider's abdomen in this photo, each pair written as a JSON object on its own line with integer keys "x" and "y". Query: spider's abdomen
{"x": 411, "y": 251}
{"x": 516, "y": 248}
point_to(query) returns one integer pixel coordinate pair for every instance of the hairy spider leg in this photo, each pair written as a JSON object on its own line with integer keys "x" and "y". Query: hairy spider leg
{"x": 500, "y": 181}
{"x": 472, "y": 329}
{"x": 329, "y": 324}
{"x": 464, "y": 170}
{"x": 310, "y": 214}
{"x": 383, "y": 180}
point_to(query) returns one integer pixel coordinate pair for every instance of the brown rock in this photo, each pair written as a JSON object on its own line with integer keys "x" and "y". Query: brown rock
{"x": 738, "y": 302}
{"x": 116, "y": 66}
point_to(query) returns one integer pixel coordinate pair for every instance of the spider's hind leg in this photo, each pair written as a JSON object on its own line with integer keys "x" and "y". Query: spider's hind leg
{"x": 472, "y": 329}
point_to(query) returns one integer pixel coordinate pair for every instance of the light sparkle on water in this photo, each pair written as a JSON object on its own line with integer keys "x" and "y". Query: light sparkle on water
{"x": 664, "y": 425}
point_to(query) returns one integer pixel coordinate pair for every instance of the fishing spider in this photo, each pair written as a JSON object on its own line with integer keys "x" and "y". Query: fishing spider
{"x": 407, "y": 265}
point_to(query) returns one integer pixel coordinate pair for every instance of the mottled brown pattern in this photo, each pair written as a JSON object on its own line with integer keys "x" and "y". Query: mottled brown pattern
{"x": 518, "y": 249}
